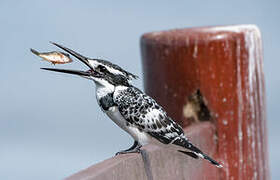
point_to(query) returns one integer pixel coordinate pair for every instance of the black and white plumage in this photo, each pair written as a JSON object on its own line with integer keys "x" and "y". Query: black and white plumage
{"x": 132, "y": 110}
{"x": 143, "y": 112}
{"x": 151, "y": 122}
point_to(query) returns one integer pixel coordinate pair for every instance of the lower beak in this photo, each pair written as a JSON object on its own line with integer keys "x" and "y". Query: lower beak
{"x": 68, "y": 71}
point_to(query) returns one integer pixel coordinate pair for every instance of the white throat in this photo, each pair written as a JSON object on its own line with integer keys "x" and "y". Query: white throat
{"x": 104, "y": 88}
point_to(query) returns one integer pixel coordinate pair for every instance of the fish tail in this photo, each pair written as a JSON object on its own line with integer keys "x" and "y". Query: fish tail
{"x": 34, "y": 52}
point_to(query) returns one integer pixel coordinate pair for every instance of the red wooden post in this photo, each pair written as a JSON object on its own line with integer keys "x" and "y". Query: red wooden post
{"x": 225, "y": 65}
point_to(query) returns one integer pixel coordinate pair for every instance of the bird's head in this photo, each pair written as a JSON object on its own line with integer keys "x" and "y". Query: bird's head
{"x": 102, "y": 72}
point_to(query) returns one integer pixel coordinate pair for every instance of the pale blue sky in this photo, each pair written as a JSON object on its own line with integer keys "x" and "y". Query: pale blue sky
{"x": 50, "y": 124}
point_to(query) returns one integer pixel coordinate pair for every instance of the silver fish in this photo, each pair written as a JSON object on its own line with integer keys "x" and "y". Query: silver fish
{"x": 54, "y": 57}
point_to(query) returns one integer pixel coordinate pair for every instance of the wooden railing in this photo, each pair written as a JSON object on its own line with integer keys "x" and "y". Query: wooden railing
{"x": 210, "y": 80}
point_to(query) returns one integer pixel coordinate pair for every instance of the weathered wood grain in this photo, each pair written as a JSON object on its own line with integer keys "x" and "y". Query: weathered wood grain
{"x": 160, "y": 164}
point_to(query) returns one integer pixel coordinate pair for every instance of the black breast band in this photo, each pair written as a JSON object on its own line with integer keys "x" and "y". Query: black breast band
{"x": 107, "y": 101}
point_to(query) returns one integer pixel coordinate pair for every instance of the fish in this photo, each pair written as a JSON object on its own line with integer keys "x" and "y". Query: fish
{"x": 55, "y": 57}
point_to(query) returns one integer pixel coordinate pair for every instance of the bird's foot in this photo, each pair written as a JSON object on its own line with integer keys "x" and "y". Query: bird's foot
{"x": 138, "y": 150}
{"x": 135, "y": 148}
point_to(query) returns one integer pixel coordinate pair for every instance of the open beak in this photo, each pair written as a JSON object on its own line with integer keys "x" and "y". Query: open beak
{"x": 83, "y": 59}
{"x": 75, "y": 54}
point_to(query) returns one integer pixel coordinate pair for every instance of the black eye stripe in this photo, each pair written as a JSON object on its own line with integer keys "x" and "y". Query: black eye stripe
{"x": 101, "y": 68}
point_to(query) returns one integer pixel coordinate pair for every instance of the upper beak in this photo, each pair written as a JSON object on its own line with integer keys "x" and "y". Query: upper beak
{"x": 78, "y": 56}
{"x": 75, "y": 54}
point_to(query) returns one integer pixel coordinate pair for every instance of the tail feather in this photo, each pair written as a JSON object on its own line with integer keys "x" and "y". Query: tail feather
{"x": 191, "y": 154}
{"x": 34, "y": 52}
{"x": 212, "y": 161}
{"x": 195, "y": 152}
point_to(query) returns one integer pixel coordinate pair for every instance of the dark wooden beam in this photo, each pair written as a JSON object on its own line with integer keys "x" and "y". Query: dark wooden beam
{"x": 157, "y": 163}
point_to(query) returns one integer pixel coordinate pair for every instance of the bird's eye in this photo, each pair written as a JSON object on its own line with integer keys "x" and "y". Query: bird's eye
{"x": 101, "y": 68}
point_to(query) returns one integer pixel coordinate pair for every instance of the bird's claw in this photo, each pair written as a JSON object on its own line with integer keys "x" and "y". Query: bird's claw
{"x": 135, "y": 148}
{"x": 138, "y": 150}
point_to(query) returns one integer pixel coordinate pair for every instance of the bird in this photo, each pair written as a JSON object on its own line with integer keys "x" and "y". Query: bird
{"x": 131, "y": 109}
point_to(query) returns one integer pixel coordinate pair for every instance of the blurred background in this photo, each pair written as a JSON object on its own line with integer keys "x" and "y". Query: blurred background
{"x": 50, "y": 124}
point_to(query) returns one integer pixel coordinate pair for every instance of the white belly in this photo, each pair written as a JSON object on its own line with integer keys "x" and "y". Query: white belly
{"x": 142, "y": 137}
{"x": 116, "y": 116}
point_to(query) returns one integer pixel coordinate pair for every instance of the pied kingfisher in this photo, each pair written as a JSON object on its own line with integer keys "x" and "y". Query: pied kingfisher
{"x": 131, "y": 109}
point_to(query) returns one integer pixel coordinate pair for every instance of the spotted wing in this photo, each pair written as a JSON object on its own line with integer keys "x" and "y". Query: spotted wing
{"x": 144, "y": 113}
